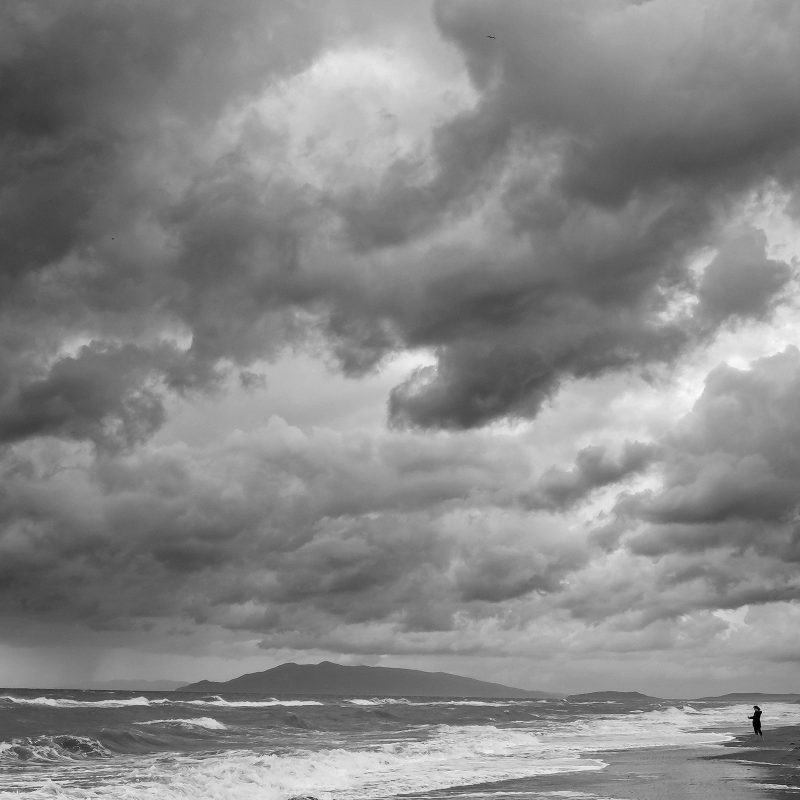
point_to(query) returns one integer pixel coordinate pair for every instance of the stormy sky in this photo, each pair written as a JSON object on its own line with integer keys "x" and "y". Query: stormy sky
{"x": 451, "y": 335}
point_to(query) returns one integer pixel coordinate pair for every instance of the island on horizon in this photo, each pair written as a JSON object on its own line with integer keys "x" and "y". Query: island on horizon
{"x": 328, "y": 678}
{"x": 337, "y": 679}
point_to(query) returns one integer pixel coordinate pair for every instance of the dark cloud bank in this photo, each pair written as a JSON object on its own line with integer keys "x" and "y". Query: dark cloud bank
{"x": 147, "y": 254}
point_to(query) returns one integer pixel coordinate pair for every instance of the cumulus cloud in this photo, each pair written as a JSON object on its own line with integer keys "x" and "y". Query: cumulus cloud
{"x": 104, "y": 394}
{"x": 405, "y": 543}
{"x": 741, "y": 281}
{"x": 613, "y": 182}
{"x": 276, "y": 528}
{"x": 164, "y": 186}
{"x": 735, "y": 456}
{"x": 105, "y": 111}
{"x": 559, "y": 488}
{"x": 721, "y": 529}
{"x": 193, "y": 189}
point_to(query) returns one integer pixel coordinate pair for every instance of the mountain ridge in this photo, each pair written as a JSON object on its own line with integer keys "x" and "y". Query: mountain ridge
{"x": 609, "y": 696}
{"x": 327, "y": 678}
{"x": 764, "y": 697}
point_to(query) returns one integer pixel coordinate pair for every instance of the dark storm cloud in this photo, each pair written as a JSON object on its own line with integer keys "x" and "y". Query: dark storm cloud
{"x": 275, "y": 530}
{"x": 619, "y": 160}
{"x": 87, "y": 85}
{"x": 721, "y": 530}
{"x": 102, "y": 394}
{"x": 741, "y": 281}
{"x": 593, "y": 469}
{"x": 406, "y": 543}
{"x": 135, "y": 209}
{"x": 637, "y": 105}
{"x": 105, "y": 111}
{"x": 473, "y": 384}
{"x": 158, "y": 229}
{"x": 736, "y": 455}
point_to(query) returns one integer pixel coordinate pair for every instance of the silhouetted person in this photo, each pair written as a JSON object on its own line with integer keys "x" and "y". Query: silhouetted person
{"x": 756, "y": 721}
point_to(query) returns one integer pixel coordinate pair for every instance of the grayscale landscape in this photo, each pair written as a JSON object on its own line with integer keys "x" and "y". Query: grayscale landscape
{"x": 416, "y": 383}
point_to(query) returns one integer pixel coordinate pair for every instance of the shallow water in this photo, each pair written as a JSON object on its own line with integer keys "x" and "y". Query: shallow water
{"x": 160, "y": 746}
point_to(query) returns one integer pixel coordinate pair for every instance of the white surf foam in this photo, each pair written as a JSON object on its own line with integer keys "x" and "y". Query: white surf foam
{"x": 221, "y": 703}
{"x": 46, "y": 749}
{"x": 209, "y": 723}
{"x": 453, "y": 756}
{"x": 387, "y": 701}
{"x": 686, "y": 726}
{"x": 450, "y": 756}
{"x": 66, "y": 702}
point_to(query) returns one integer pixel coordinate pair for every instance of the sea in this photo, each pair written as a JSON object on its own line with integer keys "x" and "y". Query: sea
{"x": 169, "y": 745}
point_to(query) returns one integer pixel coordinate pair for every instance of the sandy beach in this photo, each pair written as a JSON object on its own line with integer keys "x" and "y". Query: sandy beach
{"x": 742, "y": 769}
{"x": 773, "y": 760}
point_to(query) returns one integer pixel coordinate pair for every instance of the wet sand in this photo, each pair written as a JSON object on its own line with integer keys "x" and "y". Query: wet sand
{"x": 662, "y": 774}
{"x": 774, "y": 759}
{"x": 743, "y": 769}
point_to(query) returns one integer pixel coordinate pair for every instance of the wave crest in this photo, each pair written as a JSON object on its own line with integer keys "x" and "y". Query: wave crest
{"x": 49, "y": 749}
{"x": 209, "y": 723}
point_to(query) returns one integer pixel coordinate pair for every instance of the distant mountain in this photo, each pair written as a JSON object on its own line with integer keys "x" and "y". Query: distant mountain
{"x": 604, "y": 697}
{"x": 335, "y": 679}
{"x": 754, "y": 697}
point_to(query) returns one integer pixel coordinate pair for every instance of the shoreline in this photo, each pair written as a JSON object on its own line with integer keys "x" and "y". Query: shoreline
{"x": 740, "y": 769}
{"x": 661, "y": 773}
{"x": 775, "y": 757}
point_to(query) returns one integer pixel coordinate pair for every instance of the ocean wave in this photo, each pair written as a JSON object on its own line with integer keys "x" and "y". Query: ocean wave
{"x": 452, "y": 756}
{"x": 48, "y": 749}
{"x": 209, "y": 723}
{"x": 339, "y": 764}
{"x": 385, "y": 701}
{"x": 122, "y": 702}
{"x": 269, "y": 703}
{"x": 669, "y": 726}
{"x": 220, "y": 702}
{"x": 66, "y": 702}
{"x": 594, "y": 702}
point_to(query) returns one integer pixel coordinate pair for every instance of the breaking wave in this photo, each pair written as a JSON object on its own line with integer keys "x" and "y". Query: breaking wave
{"x": 67, "y": 702}
{"x": 47, "y": 749}
{"x": 141, "y": 754}
{"x": 123, "y": 702}
{"x": 452, "y": 756}
{"x": 209, "y": 723}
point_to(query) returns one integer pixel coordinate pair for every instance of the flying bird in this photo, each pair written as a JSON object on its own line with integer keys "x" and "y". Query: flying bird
{"x": 489, "y": 36}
